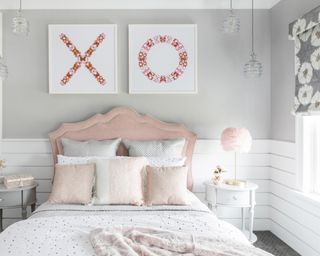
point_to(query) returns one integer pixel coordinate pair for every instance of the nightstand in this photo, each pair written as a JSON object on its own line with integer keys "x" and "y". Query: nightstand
{"x": 237, "y": 197}
{"x": 17, "y": 198}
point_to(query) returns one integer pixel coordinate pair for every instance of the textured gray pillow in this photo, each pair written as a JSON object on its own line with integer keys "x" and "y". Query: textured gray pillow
{"x": 106, "y": 148}
{"x": 155, "y": 148}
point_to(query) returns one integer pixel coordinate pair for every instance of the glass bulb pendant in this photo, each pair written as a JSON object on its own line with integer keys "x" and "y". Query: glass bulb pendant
{"x": 20, "y": 25}
{"x": 253, "y": 68}
{"x": 3, "y": 69}
{"x": 231, "y": 24}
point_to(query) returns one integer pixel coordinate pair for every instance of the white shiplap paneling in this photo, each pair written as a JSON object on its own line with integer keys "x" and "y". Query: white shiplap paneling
{"x": 271, "y": 164}
{"x": 34, "y": 156}
{"x": 294, "y": 219}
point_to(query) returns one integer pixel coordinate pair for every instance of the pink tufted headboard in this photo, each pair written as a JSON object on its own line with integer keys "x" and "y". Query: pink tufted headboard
{"x": 123, "y": 122}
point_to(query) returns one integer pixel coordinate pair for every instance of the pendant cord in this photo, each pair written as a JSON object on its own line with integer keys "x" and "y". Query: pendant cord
{"x": 231, "y": 5}
{"x": 252, "y": 26}
{"x": 20, "y": 6}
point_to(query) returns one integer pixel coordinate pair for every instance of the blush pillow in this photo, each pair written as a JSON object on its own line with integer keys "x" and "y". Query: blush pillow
{"x": 155, "y": 148}
{"x": 103, "y": 148}
{"x": 72, "y": 184}
{"x": 167, "y": 185}
{"x": 120, "y": 181}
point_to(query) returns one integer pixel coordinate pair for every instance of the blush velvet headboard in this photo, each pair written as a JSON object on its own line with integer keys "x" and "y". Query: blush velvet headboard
{"x": 125, "y": 123}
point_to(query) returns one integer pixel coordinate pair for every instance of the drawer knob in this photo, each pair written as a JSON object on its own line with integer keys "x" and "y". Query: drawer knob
{"x": 235, "y": 198}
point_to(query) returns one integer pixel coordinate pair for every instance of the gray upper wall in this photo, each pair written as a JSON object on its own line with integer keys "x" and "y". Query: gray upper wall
{"x": 282, "y": 63}
{"x": 225, "y": 97}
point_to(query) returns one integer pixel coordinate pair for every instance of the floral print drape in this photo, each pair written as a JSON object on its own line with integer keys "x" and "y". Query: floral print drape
{"x": 306, "y": 34}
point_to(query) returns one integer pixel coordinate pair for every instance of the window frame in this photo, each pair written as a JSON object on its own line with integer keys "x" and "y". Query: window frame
{"x": 308, "y": 147}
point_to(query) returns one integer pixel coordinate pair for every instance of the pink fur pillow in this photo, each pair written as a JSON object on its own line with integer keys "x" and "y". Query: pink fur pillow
{"x": 72, "y": 184}
{"x": 167, "y": 185}
{"x": 120, "y": 181}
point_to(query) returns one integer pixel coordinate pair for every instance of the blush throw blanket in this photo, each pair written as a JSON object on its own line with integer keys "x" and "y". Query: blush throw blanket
{"x": 136, "y": 241}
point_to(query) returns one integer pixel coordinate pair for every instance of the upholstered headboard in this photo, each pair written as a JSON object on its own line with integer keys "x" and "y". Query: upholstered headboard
{"x": 122, "y": 122}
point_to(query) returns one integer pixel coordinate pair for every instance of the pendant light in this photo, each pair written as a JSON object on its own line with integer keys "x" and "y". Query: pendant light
{"x": 253, "y": 68}
{"x": 3, "y": 69}
{"x": 20, "y": 25}
{"x": 231, "y": 24}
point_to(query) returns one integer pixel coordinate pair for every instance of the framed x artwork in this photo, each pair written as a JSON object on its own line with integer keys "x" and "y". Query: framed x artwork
{"x": 163, "y": 58}
{"x": 82, "y": 59}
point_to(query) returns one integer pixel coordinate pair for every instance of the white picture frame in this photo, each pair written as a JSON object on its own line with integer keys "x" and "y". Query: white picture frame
{"x": 156, "y": 77}
{"x": 97, "y": 73}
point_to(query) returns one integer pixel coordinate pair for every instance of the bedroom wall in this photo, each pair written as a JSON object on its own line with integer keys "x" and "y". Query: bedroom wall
{"x": 282, "y": 66}
{"x": 225, "y": 97}
{"x": 295, "y": 217}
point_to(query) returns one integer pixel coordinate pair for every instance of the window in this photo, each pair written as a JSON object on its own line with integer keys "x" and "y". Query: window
{"x": 308, "y": 151}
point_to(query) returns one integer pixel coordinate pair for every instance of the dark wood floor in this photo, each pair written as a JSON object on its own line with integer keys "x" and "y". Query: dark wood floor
{"x": 270, "y": 243}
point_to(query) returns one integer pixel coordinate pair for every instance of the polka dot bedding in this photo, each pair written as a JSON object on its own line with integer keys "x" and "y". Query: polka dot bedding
{"x": 64, "y": 229}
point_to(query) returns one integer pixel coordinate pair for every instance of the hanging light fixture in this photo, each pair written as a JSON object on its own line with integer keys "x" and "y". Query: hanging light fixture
{"x": 231, "y": 24}
{"x": 20, "y": 25}
{"x": 253, "y": 68}
{"x": 3, "y": 69}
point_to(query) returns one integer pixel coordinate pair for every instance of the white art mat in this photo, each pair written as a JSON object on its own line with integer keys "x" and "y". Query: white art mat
{"x": 163, "y": 58}
{"x": 82, "y": 58}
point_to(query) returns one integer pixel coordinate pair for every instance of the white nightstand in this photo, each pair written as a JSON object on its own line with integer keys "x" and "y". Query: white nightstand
{"x": 17, "y": 198}
{"x": 237, "y": 197}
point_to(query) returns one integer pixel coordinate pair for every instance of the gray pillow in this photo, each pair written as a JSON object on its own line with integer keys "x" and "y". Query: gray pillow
{"x": 105, "y": 148}
{"x": 155, "y": 148}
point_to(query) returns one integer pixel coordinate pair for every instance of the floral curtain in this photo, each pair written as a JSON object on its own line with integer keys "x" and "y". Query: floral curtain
{"x": 306, "y": 34}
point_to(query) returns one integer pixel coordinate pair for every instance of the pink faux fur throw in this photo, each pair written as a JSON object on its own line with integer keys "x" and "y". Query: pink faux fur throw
{"x": 137, "y": 241}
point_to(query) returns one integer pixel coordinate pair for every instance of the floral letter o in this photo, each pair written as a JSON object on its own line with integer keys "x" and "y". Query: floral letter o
{"x": 163, "y": 78}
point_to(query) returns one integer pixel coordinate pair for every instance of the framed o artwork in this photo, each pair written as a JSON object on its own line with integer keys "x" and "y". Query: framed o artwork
{"x": 83, "y": 59}
{"x": 162, "y": 59}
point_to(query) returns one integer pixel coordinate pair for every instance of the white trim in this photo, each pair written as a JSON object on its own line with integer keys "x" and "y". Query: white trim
{"x": 307, "y": 150}
{"x": 136, "y": 4}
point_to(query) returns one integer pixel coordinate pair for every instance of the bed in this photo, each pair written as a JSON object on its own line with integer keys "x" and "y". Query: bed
{"x": 65, "y": 229}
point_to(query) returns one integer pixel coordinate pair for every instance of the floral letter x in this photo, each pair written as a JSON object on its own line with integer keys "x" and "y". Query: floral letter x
{"x": 82, "y": 59}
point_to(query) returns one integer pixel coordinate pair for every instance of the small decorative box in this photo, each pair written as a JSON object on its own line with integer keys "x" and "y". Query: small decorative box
{"x": 16, "y": 181}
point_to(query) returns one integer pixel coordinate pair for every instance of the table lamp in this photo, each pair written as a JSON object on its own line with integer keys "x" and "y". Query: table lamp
{"x": 237, "y": 140}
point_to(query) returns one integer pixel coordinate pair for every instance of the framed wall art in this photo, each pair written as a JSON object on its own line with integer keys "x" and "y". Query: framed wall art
{"x": 83, "y": 59}
{"x": 162, "y": 59}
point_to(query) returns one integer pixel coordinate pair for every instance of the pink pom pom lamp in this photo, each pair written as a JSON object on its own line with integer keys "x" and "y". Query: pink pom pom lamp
{"x": 237, "y": 140}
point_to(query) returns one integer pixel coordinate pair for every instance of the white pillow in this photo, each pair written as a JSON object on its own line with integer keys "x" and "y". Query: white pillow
{"x": 166, "y": 161}
{"x": 64, "y": 160}
{"x": 155, "y": 148}
{"x": 152, "y": 161}
{"x": 90, "y": 147}
{"x": 119, "y": 181}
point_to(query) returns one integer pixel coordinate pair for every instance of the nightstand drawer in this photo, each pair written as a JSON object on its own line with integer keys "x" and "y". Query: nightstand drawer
{"x": 13, "y": 198}
{"x": 233, "y": 198}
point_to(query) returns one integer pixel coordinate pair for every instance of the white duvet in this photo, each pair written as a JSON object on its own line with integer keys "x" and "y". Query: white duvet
{"x": 65, "y": 229}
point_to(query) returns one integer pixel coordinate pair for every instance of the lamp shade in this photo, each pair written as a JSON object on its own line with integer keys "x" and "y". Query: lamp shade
{"x": 236, "y": 139}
